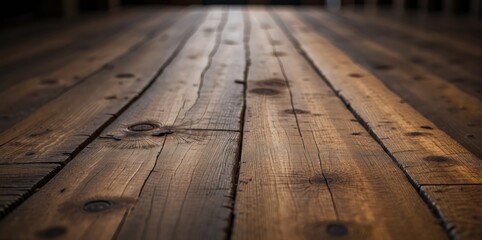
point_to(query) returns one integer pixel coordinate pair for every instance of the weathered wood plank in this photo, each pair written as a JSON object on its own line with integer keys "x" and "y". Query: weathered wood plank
{"x": 407, "y": 135}
{"x": 468, "y": 48}
{"x": 428, "y": 156}
{"x": 16, "y": 181}
{"x": 164, "y": 168}
{"x": 451, "y": 109}
{"x": 24, "y": 98}
{"x": 71, "y": 116}
{"x": 460, "y": 208}
{"x": 458, "y": 27}
{"x": 308, "y": 169}
{"x": 464, "y": 33}
{"x": 60, "y": 129}
{"x": 46, "y": 49}
{"x": 41, "y": 41}
{"x": 125, "y": 181}
{"x": 447, "y": 66}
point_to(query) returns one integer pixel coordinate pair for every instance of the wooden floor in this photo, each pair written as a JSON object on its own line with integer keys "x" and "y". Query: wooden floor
{"x": 243, "y": 123}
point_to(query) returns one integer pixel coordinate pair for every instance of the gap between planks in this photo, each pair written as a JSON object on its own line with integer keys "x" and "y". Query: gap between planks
{"x": 221, "y": 145}
{"x": 366, "y": 122}
{"x": 97, "y": 129}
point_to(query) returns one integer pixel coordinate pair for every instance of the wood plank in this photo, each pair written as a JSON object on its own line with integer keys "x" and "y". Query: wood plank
{"x": 471, "y": 49}
{"x": 451, "y": 109}
{"x": 21, "y": 33}
{"x": 77, "y": 38}
{"x": 16, "y": 181}
{"x": 20, "y": 100}
{"x": 465, "y": 75}
{"x": 461, "y": 28}
{"x": 459, "y": 207}
{"x": 125, "y": 182}
{"x": 60, "y": 129}
{"x": 428, "y": 154}
{"x": 39, "y": 43}
{"x": 308, "y": 169}
{"x": 170, "y": 182}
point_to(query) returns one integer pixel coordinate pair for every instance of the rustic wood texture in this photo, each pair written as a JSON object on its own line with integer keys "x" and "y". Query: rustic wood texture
{"x": 451, "y": 109}
{"x": 308, "y": 167}
{"x": 460, "y": 208}
{"x": 153, "y": 164}
{"x": 59, "y": 130}
{"x": 22, "y": 46}
{"x": 448, "y": 66}
{"x": 19, "y": 100}
{"x": 426, "y": 154}
{"x": 17, "y": 181}
{"x": 461, "y": 28}
{"x": 243, "y": 123}
{"x": 409, "y": 137}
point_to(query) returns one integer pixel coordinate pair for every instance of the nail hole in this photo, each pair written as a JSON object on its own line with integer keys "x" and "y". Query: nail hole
{"x": 142, "y": 127}
{"x": 416, "y": 134}
{"x": 97, "y": 206}
{"x": 426, "y": 127}
{"x": 383, "y": 67}
{"x": 49, "y": 81}
{"x": 437, "y": 159}
{"x": 53, "y": 232}
{"x": 229, "y": 42}
{"x": 336, "y": 229}
{"x": 108, "y": 66}
{"x": 111, "y": 97}
{"x": 355, "y": 75}
{"x": 125, "y": 75}
{"x": 279, "y": 54}
{"x": 417, "y": 78}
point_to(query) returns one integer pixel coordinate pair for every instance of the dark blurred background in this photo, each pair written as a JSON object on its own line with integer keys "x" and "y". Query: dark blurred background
{"x": 28, "y": 10}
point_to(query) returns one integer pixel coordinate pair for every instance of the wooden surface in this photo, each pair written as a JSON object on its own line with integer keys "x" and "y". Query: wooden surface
{"x": 242, "y": 123}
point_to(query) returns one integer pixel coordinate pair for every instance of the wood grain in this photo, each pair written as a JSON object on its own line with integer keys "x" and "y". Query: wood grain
{"x": 460, "y": 208}
{"x": 20, "y": 100}
{"x": 16, "y": 181}
{"x": 447, "y": 66}
{"x": 59, "y": 130}
{"x": 427, "y": 154}
{"x": 308, "y": 169}
{"x": 61, "y": 44}
{"x": 24, "y": 46}
{"x": 451, "y": 109}
{"x": 165, "y": 167}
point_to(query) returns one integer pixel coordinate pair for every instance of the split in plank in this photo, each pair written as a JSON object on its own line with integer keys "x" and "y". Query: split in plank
{"x": 167, "y": 161}
{"x": 427, "y": 155}
{"x": 307, "y": 166}
{"x": 451, "y": 109}
{"x": 60, "y": 129}
{"x": 22, "y": 99}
